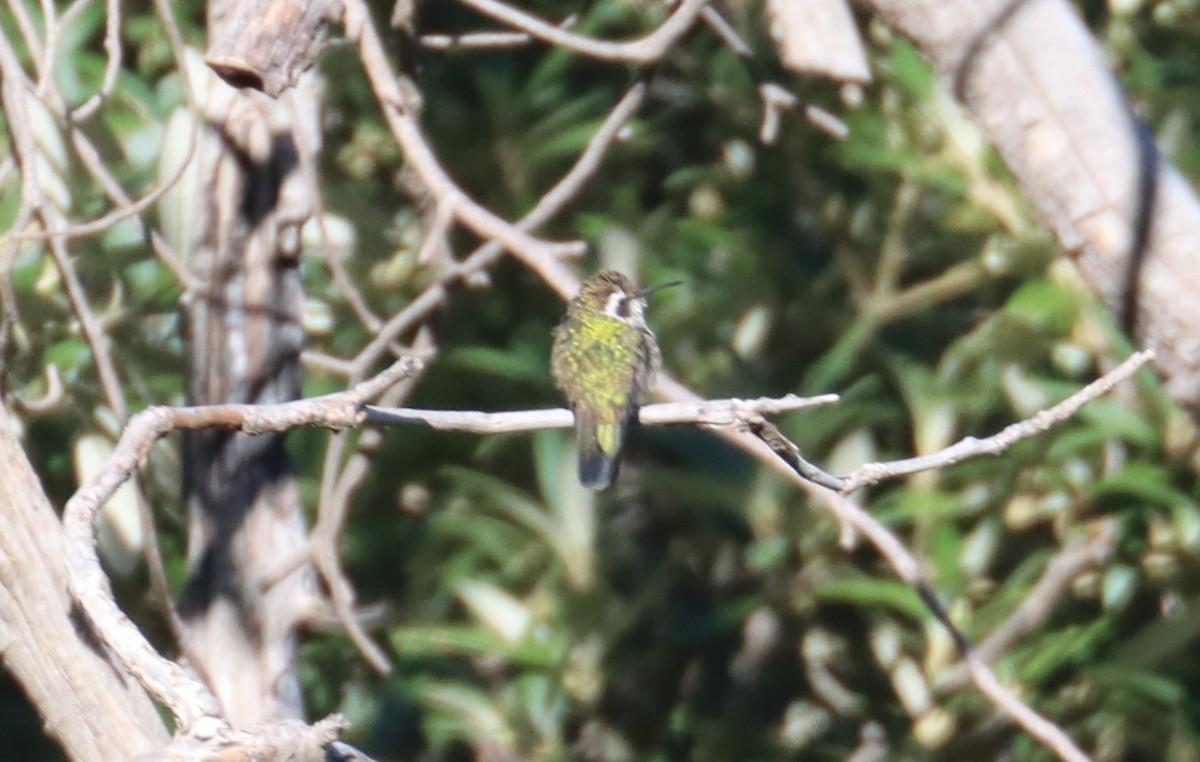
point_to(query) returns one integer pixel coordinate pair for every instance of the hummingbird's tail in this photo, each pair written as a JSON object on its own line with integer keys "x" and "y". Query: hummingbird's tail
{"x": 599, "y": 450}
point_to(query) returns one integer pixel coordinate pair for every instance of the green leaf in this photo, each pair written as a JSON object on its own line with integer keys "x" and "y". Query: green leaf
{"x": 1061, "y": 649}
{"x": 1045, "y": 304}
{"x": 911, "y": 69}
{"x": 868, "y": 591}
{"x": 1146, "y": 481}
{"x": 462, "y": 640}
{"x": 1116, "y": 420}
{"x": 69, "y": 355}
{"x": 503, "y": 363}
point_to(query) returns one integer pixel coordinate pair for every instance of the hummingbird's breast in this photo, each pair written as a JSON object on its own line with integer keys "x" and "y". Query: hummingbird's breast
{"x": 603, "y": 364}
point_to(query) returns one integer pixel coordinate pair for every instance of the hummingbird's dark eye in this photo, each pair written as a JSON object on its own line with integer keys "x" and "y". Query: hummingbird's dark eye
{"x": 623, "y": 308}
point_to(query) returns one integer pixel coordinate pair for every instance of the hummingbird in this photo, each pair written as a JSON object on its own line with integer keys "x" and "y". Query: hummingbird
{"x": 604, "y": 360}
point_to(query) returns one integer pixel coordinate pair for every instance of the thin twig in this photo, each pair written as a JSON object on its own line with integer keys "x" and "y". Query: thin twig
{"x": 91, "y": 159}
{"x": 434, "y": 249}
{"x": 33, "y": 43}
{"x": 93, "y": 332}
{"x": 50, "y": 52}
{"x": 112, "y": 66}
{"x": 49, "y": 401}
{"x": 476, "y": 41}
{"x": 723, "y": 29}
{"x": 906, "y": 566}
{"x": 970, "y": 447}
{"x": 645, "y": 50}
{"x": 485, "y": 40}
{"x": 399, "y": 103}
{"x": 547, "y": 206}
{"x": 1063, "y": 567}
{"x": 341, "y": 278}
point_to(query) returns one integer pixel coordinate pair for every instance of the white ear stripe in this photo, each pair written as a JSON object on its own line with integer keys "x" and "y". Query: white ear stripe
{"x": 612, "y": 306}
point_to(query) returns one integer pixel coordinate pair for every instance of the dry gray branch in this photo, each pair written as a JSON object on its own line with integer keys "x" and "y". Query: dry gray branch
{"x": 1061, "y": 570}
{"x": 338, "y": 485}
{"x": 645, "y": 50}
{"x": 268, "y": 45}
{"x": 88, "y": 706}
{"x": 708, "y": 413}
{"x": 970, "y": 447}
{"x": 479, "y": 260}
{"x": 819, "y": 37}
{"x": 909, "y": 570}
{"x": 194, "y": 707}
{"x": 906, "y": 566}
{"x": 1036, "y": 82}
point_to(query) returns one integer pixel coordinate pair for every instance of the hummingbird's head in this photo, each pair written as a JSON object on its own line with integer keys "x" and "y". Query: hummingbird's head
{"x": 614, "y": 294}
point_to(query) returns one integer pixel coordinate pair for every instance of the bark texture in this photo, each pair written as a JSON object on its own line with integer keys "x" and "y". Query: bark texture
{"x": 268, "y": 44}
{"x": 88, "y": 704}
{"x": 1037, "y": 84}
{"x": 252, "y": 188}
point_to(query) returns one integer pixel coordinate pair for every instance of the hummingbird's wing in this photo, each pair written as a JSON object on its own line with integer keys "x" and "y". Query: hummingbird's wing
{"x": 598, "y": 371}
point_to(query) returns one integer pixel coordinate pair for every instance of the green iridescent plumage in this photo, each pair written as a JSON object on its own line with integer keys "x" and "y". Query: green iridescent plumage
{"x": 604, "y": 361}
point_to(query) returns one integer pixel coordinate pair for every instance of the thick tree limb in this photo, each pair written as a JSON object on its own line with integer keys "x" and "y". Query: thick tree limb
{"x": 1036, "y": 82}
{"x": 88, "y": 706}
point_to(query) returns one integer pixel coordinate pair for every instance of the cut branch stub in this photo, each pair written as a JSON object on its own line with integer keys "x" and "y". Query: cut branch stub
{"x": 819, "y": 37}
{"x": 267, "y": 44}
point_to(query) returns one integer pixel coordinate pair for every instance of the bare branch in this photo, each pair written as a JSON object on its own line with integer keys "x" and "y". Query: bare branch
{"x": 33, "y": 42}
{"x": 1063, "y": 567}
{"x": 550, "y": 204}
{"x": 110, "y": 382}
{"x": 1021, "y": 713}
{"x": 723, "y": 29}
{"x": 645, "y": 50}
{"x": 49, "y": 401}
{"x": 970, "y": 447}
{"x": 193, "y": 705}
{"x": 86, "y": 702}
{"x": 112, "y": 66}
{"x": 785, "y": 456}
{"x": 400, "y": 104}
{"x": 906, "y": 565}
{"x": 907, "y": 568}
{"x": 478, "y": 40}
{"x": 484, "y": 40}
{"x": 1041, "y": 89}
{"x": 775, "y": 100}
{"x": 709, "y": 413}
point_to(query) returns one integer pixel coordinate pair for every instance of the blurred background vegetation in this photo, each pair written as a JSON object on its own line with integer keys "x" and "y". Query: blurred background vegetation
{"x": 703, "y": 609}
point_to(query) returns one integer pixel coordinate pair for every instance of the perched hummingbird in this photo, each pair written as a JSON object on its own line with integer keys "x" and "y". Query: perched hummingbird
{"x": 604, "y": 361}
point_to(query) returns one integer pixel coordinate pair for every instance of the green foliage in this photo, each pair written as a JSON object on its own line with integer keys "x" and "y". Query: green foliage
{"x": 670, "y": 618}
